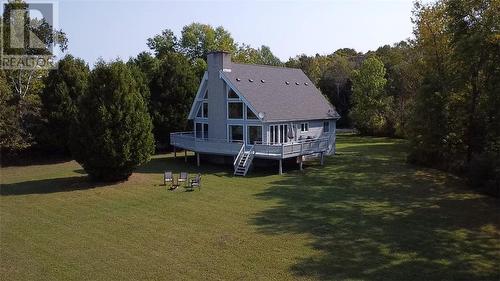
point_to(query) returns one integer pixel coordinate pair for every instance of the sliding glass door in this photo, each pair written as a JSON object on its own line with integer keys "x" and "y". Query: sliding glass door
{"x": 278, "y": 134}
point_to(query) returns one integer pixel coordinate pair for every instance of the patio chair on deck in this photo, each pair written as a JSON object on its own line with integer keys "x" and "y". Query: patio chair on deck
{"x": 167, "y": 177}
{"x": 183, "y": 177}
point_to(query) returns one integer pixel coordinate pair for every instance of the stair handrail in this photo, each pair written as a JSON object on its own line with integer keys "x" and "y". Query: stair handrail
{"x": 240, "y": 154}
{"x": 251, "y": 154}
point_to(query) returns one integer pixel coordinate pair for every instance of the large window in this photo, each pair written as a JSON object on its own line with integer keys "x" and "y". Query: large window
{"x": 254, "y": 134}
{"x": 326, "y": 127}
{"x": 235, "y": 110}
{"x": 250, "y": 114}
{"x": 236, "y": 133}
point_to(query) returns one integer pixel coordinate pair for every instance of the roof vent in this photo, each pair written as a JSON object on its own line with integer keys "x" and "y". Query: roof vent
{"x": 286, "y": 82}
{"x": 263, "y": 81}
{"x": 297, "y": 83}
{"x": 238, "y": 79}
{"x": 250, "y": 80}
{"x": 306, "y": 84}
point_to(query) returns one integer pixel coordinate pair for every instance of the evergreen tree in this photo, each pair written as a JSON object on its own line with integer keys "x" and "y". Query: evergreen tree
{"x": 172, "y": 92}
{"x": 63, "y": 87}
{"x": 112, "y": 130}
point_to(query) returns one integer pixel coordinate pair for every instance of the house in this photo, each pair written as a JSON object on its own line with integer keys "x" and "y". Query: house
{"x": 254, "y": 111}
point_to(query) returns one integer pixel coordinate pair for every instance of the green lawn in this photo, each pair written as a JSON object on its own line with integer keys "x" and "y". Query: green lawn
{"x": 365, "y": 215}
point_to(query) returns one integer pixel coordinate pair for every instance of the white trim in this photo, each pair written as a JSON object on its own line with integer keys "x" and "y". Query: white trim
{"x": 193, "y": 111}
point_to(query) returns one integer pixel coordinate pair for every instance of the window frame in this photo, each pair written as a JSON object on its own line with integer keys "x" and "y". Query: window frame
{"x": 202, "y": 132}
{"x": 304, "y": 127}
{"x": 229, "y": 133}
{"x": 328, "y": 126}
{"x": 203, "y": 113}
{"x": 248, "y": 132}
{"x": 278, "y": 132}
{"x": 242, "y": 109}
{"x": 232, "y": 98}
{"x": 250, "y": 110}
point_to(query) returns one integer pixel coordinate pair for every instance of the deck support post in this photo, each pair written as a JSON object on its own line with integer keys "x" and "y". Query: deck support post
{"x": 322, "y": 161}
{"x": 281, "y": 167}
{"x": 300, "y": 165}
{"x": 185, "y": 156}
{"x": 198, "y": 159}
{"x": 175, "y": 153}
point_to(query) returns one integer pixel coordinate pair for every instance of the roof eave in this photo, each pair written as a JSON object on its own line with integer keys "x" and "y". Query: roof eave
{"x": 302, "y": 119}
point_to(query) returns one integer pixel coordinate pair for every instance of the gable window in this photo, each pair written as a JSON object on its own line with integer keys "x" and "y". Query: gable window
{"x": 326, "y": 127}
{"x": 250, "y": 114}
{"x": 205, "y": 110}
{"x": 304, "y": 127}
{"x": 232, "y": 94}
{"x": 200, "y": 112}
{"x": 254, "y": 134}
{"x": 205, "y": 97}
{"x": 236, "y": 133}
{"x": 235, "y": 110}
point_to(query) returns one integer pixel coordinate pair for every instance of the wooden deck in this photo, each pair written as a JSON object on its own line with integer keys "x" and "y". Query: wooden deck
{"x": 188, "y": 141}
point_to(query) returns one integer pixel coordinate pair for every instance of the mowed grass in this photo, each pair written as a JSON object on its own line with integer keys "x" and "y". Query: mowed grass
{"x": 365, "y": 215}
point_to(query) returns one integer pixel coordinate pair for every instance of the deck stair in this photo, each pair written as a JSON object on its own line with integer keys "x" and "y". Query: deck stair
{"x": 244, "y": 160}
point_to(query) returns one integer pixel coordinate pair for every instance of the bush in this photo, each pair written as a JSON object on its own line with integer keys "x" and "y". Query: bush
{"x": 484, "y": 173}
{"x": 112, "y": 131}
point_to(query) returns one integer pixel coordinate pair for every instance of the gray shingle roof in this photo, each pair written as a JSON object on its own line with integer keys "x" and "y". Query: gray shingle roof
{"x": 270, "y": 93}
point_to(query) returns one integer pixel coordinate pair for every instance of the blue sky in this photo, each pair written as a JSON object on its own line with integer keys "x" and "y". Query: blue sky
{"x": 119, "y": 29}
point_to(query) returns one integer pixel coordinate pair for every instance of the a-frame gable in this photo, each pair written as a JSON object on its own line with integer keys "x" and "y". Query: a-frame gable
{"x": 198, "y": 100}
{"x": 242, "y": 98}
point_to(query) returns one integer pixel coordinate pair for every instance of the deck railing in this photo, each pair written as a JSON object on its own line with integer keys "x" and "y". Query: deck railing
{"x": 188, "y": 140}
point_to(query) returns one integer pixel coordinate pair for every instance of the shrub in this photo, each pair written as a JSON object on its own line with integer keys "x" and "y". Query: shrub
{"x": 112, "y": 131}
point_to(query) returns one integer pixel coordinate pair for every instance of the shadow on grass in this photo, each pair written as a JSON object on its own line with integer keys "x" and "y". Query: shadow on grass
{"x": 157, "y": 165}
{"x": 160, "y": 164}
{"x": 373, "y": 217}
{"x": 49, "y": 186}
{"x": 163, "y": 163}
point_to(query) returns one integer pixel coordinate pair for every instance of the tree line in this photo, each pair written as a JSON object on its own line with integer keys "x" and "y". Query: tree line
{"x": 438, "y": 89}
